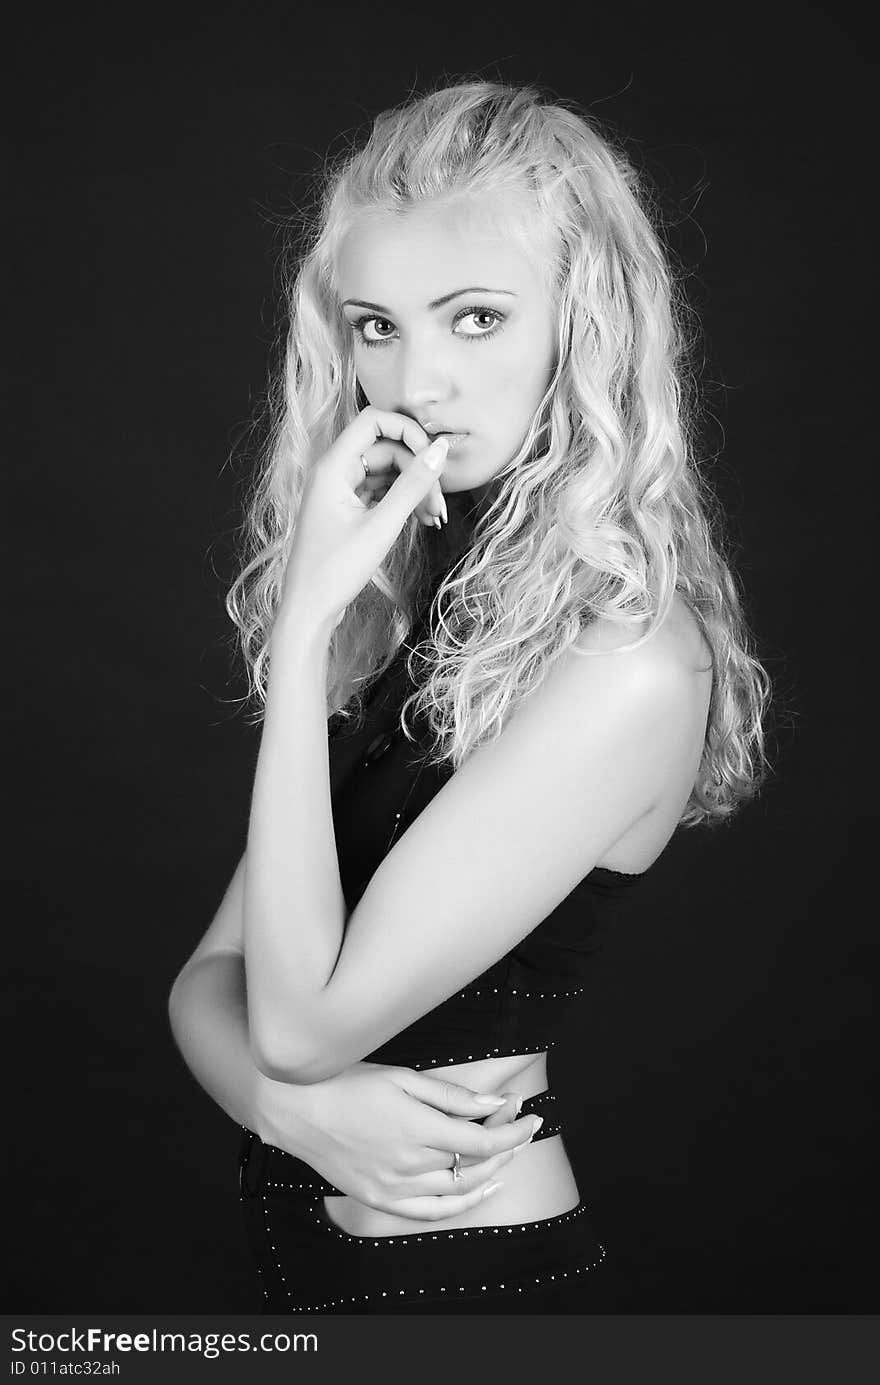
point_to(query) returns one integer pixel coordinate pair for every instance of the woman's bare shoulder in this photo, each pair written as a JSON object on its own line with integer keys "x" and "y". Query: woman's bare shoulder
{"x": 672, "y": 669}
{"x": 665, "y": 680}
{"x": 678, "y": 638}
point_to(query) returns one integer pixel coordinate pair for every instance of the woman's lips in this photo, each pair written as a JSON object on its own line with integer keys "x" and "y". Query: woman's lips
{"x": 453, "y": 438}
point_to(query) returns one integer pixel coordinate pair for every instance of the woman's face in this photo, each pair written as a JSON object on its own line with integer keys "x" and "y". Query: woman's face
{"x": 452, "y": 325}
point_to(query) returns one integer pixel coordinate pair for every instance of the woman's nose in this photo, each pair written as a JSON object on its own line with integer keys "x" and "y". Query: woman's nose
{"x": 423, "y": 381}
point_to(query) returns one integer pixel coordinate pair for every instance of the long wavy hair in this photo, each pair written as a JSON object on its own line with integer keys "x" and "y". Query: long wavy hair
{"x": 601, "y": 512}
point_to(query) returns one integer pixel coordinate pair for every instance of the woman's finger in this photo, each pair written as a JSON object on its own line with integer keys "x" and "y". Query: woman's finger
{"x": 506, "y": 1113}
{"x": 452, "y": 1098}
{"x": 379, "y": 482}
{"x": 472, "y": 1141}
{"x": 438, "y": 1182}
{"x": 431, "y": 1209}
{"x": 386, "y": 459}
{"x": 448, "y": 1122}
{"x": 385, "y": 521}
{"x": 371, "y": 494}
{"x": 370, "y": 427}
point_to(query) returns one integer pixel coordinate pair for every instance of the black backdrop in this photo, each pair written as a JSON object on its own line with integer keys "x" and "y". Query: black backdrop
{"x": 723, "y": 1137}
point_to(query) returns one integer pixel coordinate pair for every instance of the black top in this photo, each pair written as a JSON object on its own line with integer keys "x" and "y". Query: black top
{"x": 380, "y": 782}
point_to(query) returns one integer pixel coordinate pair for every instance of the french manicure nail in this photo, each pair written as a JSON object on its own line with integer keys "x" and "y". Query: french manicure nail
{"x": 538, "y": 1124}
{"x": 438, "y": 523}
{"x": 435, "y": 454}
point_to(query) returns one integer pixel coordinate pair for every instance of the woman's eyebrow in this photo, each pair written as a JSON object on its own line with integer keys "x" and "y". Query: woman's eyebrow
{"x": 437, "y": 303}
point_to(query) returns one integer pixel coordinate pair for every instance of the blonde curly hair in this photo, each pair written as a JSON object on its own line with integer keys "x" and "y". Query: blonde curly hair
{"x": 601, "y": 512}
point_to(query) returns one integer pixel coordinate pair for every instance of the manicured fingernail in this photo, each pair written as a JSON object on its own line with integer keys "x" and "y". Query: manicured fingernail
{"x": 443, "y": 511}
{"x": 519, "y": 1102}
{"x": 436, "y": 452}
{"x": 490, "y": 1100}
{"x": 538, "y": 1124}
{"x": 492, "y": 1188}
{"x": 438, "y": 523}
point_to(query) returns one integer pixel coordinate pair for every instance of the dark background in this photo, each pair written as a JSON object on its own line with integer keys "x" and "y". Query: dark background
{"x": 723, "y": 1139}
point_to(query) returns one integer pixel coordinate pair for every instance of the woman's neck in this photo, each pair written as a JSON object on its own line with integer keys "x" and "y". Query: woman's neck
{"x": 470, "y": 506}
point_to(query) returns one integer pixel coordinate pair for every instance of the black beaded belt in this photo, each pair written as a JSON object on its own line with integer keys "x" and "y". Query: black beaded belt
{"x": 543, "y": 1104}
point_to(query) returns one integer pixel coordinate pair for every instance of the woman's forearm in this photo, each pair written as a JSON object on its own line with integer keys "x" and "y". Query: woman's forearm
{"x": 294, "y": 908}
{"x": 208, "y": 1013}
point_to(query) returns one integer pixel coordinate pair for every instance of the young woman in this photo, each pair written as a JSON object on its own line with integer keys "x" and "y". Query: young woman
{"x": 478, "y": 513}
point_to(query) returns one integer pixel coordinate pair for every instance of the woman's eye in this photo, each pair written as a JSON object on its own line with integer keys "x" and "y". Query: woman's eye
{"x": 479, "y": 318}
{"x": 374, "y": 329}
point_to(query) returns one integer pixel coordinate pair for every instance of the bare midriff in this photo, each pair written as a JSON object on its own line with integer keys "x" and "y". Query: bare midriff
{"x": 538, "y": 1182}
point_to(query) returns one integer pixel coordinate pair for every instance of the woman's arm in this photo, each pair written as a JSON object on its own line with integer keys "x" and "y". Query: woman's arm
{"x": 496, "y": 850}
{"x": 208, "y": 1013}
{"x": 380, "y": 1134}
{"x": 207, "y": 1008}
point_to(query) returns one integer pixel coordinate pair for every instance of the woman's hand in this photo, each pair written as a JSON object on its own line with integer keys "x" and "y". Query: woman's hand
{"x": 339, "y": 542}
{"x": 387, "y": 1135}
{"x": 375, "y": 485}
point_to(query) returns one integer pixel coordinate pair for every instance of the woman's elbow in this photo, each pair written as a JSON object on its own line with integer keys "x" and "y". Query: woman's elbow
{"x": 175, "y": 1001}
{"x": 288, "y": 1046}
{"x": 280, "y": 1059}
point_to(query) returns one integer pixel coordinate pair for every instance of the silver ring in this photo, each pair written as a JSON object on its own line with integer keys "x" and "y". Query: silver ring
{"x": 457, "y": 1175}
{"x": 365, "y": 467}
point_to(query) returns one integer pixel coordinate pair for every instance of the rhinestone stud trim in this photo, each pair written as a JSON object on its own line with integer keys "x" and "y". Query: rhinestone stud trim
{"x": 443, "y": 1288}
{"x": 493, "y": 1053}
{"x": 542, "y": 1223}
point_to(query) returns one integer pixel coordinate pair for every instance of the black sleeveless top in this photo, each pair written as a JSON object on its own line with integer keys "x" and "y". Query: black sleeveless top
{"x": 380, "y": 783}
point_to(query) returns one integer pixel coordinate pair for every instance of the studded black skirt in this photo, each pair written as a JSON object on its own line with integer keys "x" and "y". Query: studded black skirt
{"x": 307, "y": 1264}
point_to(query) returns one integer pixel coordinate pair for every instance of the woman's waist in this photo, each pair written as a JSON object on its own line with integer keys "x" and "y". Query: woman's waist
{"x": 537, "y": 1183}
{"x": 267, "y": 1170}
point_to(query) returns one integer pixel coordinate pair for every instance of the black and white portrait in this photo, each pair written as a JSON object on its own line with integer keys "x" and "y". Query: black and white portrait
{"x": 440, "y": 690}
